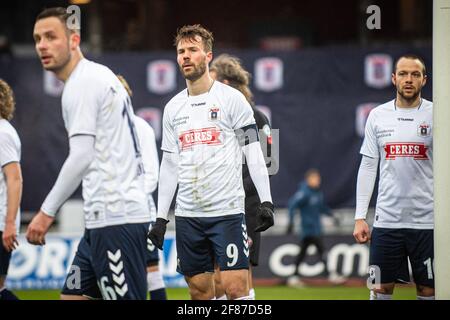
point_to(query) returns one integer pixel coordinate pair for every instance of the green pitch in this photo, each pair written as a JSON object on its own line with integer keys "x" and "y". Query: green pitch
{"x": 262, "y": 293}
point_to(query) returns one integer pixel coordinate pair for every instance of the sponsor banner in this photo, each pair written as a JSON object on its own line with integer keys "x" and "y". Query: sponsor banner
{"x": 268, "y": 74}
{"x": 46, "y": 267}
{"x": 378, "y": 70}
{"x": 208, "y": 136}
{"x": 418, "y": 151}
{"x": 344, "y": 258}
{"x": 161, "y": 76}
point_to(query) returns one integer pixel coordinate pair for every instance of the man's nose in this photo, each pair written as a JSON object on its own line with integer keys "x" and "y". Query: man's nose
{"x": 41, "y": 45}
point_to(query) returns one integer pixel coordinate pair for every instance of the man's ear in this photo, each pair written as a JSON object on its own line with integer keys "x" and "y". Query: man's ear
{"x": 75, "y": 40}
{"x": 425, "y": 78}
{"x": 209, "y": 57}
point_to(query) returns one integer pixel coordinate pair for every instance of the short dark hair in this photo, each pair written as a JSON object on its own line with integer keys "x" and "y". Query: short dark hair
{"x": 57, "y": 12}
{"x": 191, "y": 31}
{"x": 412, "y": 57}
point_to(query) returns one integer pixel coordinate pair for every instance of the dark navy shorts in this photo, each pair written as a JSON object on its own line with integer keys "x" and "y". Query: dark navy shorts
{"x": 110, "y": 264}
{"x": 5, "y": 257}
{"x": 201, "y": 242}
{"x": 390, "y": 249}
{"x": 152, "y": 254}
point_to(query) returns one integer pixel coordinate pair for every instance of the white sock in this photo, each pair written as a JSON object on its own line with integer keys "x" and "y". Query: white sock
{"x": 244, "y": 298}
{"x": 252, "y": 294}
{"x": 379, "y": 296}
{"x": 224, "y": 297}
{"x": 425, "y": 298}
{"x": 155, "y": 280}
{"x": 213, "y": 298}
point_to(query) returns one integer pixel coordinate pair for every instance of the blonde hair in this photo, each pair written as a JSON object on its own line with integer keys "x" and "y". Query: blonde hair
{"x": 230, "y": 68}
{"x": 7, "y": 103}
{"x": 125, "y": 84}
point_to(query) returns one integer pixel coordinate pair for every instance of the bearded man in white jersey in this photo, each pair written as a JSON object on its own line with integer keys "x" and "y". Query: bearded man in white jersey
{"x": 206, "y": 128}
{"x": 105, "y": 155}
{"x": 399, "y": 136}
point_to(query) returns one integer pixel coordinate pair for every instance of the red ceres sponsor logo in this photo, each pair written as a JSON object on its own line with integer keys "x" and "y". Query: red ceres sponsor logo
{"x": 209, "y": 136}
{"x": 418, "y": 151}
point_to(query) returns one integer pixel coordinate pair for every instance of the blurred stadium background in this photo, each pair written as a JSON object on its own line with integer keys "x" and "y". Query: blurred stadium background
{"x": 317, "y": 72}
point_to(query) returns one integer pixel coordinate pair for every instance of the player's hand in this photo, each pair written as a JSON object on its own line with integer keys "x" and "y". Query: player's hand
{"x": 38, "y": 228}
{"x": 9, "y": 237}
{"x": 156, "y": 234}
{"x": 361, "y": 231}
{"x": 264, "y": 217}
{"x": 290, "y": 228}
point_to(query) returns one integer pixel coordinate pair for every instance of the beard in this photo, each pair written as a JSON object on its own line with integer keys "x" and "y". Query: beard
{"x": 196, "y": 73}
{"x": 409, "y": 97}
{"x": 63, "y": 60}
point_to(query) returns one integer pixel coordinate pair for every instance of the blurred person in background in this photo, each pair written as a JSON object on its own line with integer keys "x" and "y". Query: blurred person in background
{"x": 309, "y": 200}
{"x": 10, "y": 186}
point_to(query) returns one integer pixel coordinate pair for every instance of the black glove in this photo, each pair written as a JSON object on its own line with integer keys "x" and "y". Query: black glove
{"x": 156, "y": 234}
{"x": 264, "y": 217}
{"x": 290, "y": 228}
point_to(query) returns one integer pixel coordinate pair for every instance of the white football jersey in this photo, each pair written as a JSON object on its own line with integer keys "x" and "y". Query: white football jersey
{"x": 9, "y": 152}
{"x": 201, "y": 130}
{"x": 94, "y": 102}
{"x": 150, "y": 160}
{"x": 403, "y": 140}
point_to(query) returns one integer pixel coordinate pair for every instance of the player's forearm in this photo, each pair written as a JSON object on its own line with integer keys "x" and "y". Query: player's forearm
{"x": 168, "y": 182}
{"x": 69, "y": 178}
{"x": 258, "y": 170}
{"x": 14, "y": 195}
{"x": 364, "y": 187}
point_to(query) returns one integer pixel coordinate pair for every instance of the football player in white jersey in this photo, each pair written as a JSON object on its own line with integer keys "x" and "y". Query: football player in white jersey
{"x": 146, "y": 135}
{"x": 105, "y": 156}
{"x": 206, "y": 128}
{"x": 399, "y": 137}
{"x": 10, "y": 186}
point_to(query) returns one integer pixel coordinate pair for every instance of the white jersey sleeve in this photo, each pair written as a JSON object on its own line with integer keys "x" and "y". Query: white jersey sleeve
{"x": 8, "y": 150}
{"x": 370, "y": 146}
{"x": 81, "y": 110}
{"x": 169, "y": 136}
{"x": 241, "y": 112}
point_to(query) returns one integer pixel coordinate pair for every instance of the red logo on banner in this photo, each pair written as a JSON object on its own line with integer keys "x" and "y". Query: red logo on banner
{"x": 209, "y": 136}
{"x": 418, "y": 151}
